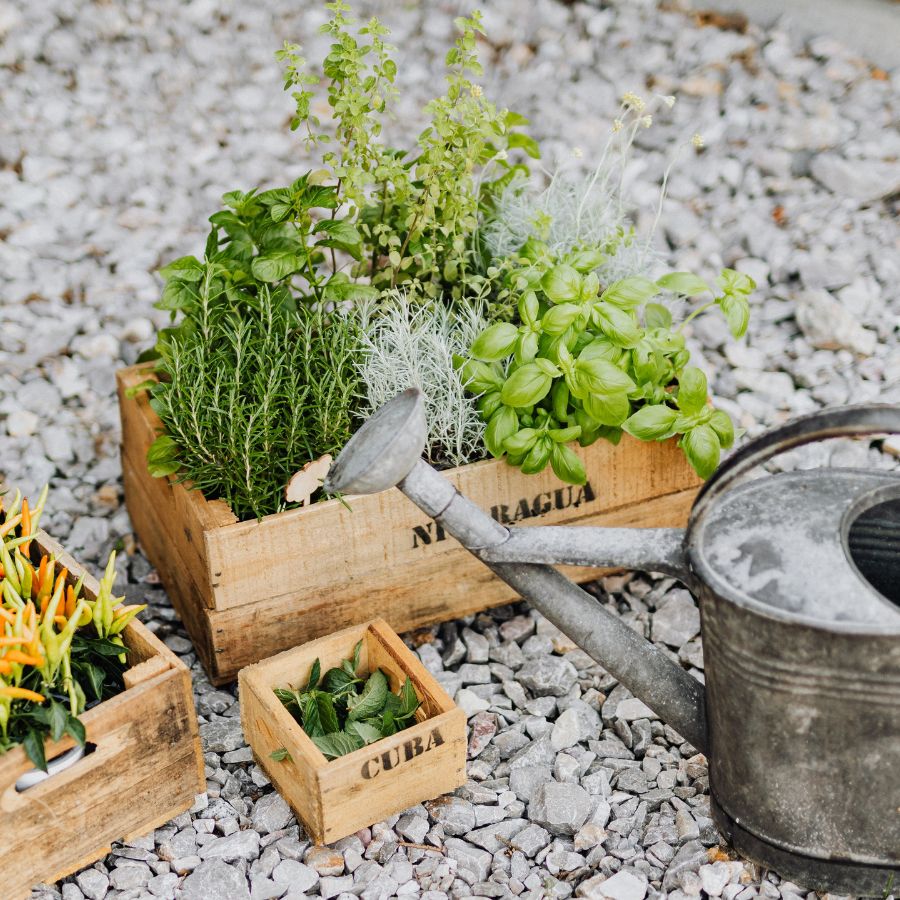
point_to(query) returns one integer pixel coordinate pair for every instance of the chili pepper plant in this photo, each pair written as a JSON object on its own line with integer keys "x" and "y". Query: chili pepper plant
{"x": 60, "y": 652}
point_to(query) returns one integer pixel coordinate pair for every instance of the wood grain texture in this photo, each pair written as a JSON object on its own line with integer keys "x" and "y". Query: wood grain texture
{"x": 291, "y": 577}
{"x": 336, "y": 798}
{"x": 146, "y": 767}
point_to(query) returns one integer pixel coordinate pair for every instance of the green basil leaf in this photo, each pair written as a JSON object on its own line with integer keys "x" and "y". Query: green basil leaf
{"x": 651, "y": 423}
{"x": 372, "y": 698}
{"x": 617, "y": 324}
{"x": 538, "y": 456}
{"x": 162, "y": 457}
{"x": 547, "y": 367}
{"x": 526, "y": 347}
{"x": 496, "y": 342}
{"x": 337, "y": 743}
{"x": 562, "y": 284}
{"x": 630, "y": 292}
{"x": 608, "y": 408}
{"x": 488, "y": 404}
{"x": 517, "y": 140}
{"x": 734, "y": 282}
{"x": 685, "y": 283}
{"x": 721, "y": 423}
{"x": 526, "y": 386}
{"x": 602, "y": 348}
{"x": 567, "y": 464}
{"x": 586, "y": 261}
{"x": 692, "y": 390}
{"x": 559, "y": 397}
{"x": 565, "y": 435}
{"x": 558, "y": 318}
{"x": 479, "y": 377}
{"x": 701, "y": 447}
{"x": 177, "y": 295}
{"x": 601, "y": 376}
{"x": 529, "y": 308}
{"x": 521, "y": 442}
{"x": 657, "y": 316}
{"x": 502, "y": 425}
{"x": 736, "y": 309}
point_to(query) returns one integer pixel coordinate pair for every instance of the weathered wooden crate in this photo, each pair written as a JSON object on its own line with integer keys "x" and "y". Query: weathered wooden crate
{"x": 146, "y": 767}
{"x": 338, "y": 797}
{"x": 246, "y": 590}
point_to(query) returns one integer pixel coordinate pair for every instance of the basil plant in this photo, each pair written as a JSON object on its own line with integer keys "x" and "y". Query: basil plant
{"x": 583, "y": 360}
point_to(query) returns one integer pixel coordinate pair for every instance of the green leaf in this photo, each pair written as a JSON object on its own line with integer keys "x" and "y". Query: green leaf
{"x": 538, "y": 456}
{"x": 187, "y": 268}
{"x": 313, "y": 681}
{"x": 685, "y": 283}
{"x": 618, "y": 325}
{"x": 565, "y": 435}
{"x": 562, "y": 284}
{"x": 521, "y": 442}
{"x": 276, "y": 265}
{"x": 721, "y": 423}
{"x": 526, "y": 347}
{"x": 529, "y": 307}
{"x": 162, "y": 457}
{"x": 601, "y": 376}
{"x": 75, "y": 730}
{"x": 524, "y": 142}
{"x": 337, "y": 681}
{"x": 567, "y": 464}
{"x": 736, "y": 309}
{"x": 371, "y": 700}
{"x": 503, "y": 424}
{"x": 327, "y": 714}
{"x": 367, "y": 732}
{"x": 479, "y": 377}
{"x": 339, "y": 291}
{"x": 336, "y": 744}
{"x": 630, "y": 292}
{"x": 651, "y": 423}
{"x": 608, "y": 408}
{"x": 528, "y": 385}
{"x": 657, "y": 316}
{"x": 586, "y": 260}
{"x": 692, "y": 390}
{"x": 280, "y": 755}
{"x": 558, "y": 318}
{"x": 734, "y": 282}
{"x": 95, "y": 678}
{"x": 701, "y": 447}
{"x": 339, "y": 233}
{"x": 312, "y": 721}
{"x": 34, "y": 747}
{"x": 495, "y": 342}
{"x": 58, "y": 718}
{"x": 409, "y": 701}
{"x": 177, "y": 295}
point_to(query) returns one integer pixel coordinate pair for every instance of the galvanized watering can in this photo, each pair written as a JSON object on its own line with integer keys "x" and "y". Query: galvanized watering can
{"x": 798, "y": 581}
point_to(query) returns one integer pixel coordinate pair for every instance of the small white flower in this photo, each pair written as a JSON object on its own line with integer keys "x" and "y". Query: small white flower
{"x": 632, "y": 101}
{"x": 617, "y": 125}
{"x": 647, "y": 121}
{"x": 697, "y": 141}
{"x": 669, "y": 100}
{"x": 577, "y": 152}
{"x": 476, "y": 90}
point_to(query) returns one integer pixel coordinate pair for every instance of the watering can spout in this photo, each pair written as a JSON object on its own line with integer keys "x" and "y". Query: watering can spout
{"x": 386, "y": 452}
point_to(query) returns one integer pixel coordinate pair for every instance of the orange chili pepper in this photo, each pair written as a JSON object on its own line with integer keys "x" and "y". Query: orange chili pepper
{"x": 10, "y": 524}
{"x": 21, "y": 694}
{"x": 17, "y": 656}
{"x": 6, "y": 614}
{"x": 41, "y": 575}
{"x": 60, "y": 579}
{"x": 5, "y": 667}
{"x": 11, "y": 641}
{"x": 26, "y": 525}
{"x": 70, "y": 601}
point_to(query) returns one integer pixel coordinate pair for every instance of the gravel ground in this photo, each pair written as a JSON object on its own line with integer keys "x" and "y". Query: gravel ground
{"x": 124, "y": 122}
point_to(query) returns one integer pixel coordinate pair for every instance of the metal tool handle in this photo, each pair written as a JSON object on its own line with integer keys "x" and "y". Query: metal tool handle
{"x": 872, "y": 418}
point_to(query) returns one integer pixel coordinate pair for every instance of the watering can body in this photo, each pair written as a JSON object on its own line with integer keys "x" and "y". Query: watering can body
{"x": 798, "y": 581}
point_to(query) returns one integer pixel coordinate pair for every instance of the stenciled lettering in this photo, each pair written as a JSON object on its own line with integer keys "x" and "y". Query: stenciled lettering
{"x": 406, "y": 752}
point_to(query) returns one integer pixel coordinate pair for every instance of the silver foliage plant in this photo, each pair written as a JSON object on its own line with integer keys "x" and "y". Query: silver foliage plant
{"x": 406, "y": 344}
{"x": 573, "y": 209}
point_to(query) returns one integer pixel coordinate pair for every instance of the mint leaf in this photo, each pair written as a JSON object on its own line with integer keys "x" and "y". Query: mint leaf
{"x": 371, "y": 700}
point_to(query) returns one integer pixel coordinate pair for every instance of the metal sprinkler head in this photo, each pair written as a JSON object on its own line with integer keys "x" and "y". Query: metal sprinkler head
{"x": 383, "y": 452}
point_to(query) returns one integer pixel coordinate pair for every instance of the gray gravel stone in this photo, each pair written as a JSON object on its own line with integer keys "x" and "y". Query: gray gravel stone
{"x": 271, "y": 813}
{"x": 214, "y": 879}
{"x": 548, "y": 676}
{"x": 678, "y": 621}
{"x": 560, "y": 808}
{"x": 93, "y": 884}
{"x": 240, "y": 845}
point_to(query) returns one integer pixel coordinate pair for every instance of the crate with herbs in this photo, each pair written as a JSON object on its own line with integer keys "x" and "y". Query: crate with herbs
{"x": 547, "y": 338}
{"x": 98, "y": 734}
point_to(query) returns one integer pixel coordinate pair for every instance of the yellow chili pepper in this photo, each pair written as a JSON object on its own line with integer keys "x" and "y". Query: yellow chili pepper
{"x": 17, "y": 656}
{"x": 18, "y": 693}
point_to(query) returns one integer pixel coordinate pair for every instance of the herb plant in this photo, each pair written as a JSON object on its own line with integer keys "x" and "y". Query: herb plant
{"x": 585, "y": 360}
{"x": 342, "y": 711}
{"x": 59, "y": 651}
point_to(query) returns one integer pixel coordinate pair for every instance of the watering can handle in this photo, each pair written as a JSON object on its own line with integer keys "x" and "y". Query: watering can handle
{"x": 873, "y": 418}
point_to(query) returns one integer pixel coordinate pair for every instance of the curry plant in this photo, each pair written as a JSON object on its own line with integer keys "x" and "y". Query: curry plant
{"x": 584, "y": 360}
{"x": 344, "y": 710}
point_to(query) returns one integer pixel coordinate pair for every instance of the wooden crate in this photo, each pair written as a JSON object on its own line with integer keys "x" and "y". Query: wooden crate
{"x": 338, "y": 797}
{"x": 246, "y": 590}
{"x": 145, "y": 769}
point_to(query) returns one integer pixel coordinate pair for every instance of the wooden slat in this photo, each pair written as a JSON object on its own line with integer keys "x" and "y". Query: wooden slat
{"x": 335, "y": 798}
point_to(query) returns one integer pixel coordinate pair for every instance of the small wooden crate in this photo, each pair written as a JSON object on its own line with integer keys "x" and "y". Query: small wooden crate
{"x": 336, "y": 798}
{"x": 294, "y": 576}
{"x": 145, "y": 769}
